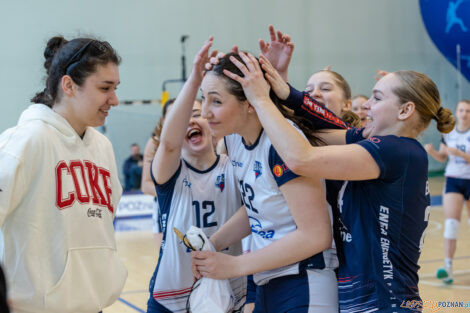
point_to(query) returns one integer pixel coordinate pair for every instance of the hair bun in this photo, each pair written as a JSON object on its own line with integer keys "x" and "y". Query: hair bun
{"x": 53, "y": 45}
{"x": 445, "y": 120}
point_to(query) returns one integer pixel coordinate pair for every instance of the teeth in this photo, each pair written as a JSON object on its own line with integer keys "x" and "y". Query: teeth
{"x": 193, "y": 132}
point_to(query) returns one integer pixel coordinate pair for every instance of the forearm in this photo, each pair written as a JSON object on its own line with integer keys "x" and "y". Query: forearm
{"x": 303, "y": 105}
{"x": 288, "y": 142}
{"x": 175, "y": 126}
{"x": 464, "y": 156}
{"x": 235, "y": 229}
{"x": 148, "y": 188}
{"x": 294, "y": 247}
{"x": 438, "y": 155}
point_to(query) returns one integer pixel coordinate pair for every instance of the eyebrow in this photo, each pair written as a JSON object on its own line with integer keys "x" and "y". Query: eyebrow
{"x": 111, "y": 82}
{"x": 211, "y": 92}
{"x": 377, "y": 91}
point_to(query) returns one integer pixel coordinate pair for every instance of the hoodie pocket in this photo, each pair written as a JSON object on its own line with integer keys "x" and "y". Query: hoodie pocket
{"x": 91, "y": 280}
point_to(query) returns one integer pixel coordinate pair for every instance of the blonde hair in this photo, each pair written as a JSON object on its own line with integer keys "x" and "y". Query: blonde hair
{"x": 420, "y": 89}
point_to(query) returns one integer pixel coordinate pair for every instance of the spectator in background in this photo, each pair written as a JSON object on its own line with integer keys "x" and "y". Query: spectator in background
{"x": 133, "y": 169}
{"x": 357, "y": 108}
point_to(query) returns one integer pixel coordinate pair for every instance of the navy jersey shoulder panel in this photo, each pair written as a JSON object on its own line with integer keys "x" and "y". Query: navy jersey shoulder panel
{"x": 354, "y": 135}
{"x": 389, "y": 153}
{"x": 281, "y": 173}
{"x": 165, "y": 191}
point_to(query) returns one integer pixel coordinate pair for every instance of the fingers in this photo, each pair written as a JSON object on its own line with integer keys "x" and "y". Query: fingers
{"x": 234, "y": 49}
{"x": 239, "y": 64}
{"x": 233, "y": 76}
{"x": 266, "y": 65}
{"x": 380, "y": 74}
{"x": 213, "y": 54}
{"x": 214, "y": 59}
{"x": 279, "y": 36}
{"x": 262, "y": 46}
{"x": 272, "y": 33}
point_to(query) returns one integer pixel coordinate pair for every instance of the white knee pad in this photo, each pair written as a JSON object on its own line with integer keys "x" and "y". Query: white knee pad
{"x": 451, "y": 229}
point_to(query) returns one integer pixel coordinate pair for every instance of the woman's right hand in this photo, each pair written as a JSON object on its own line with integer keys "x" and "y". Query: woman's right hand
{"x": 255, "y": 86}
{"x": 279, "y": 86}
{"x": 201, "y": 58}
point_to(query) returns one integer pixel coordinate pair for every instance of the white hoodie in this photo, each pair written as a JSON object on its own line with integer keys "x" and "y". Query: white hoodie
{"x": 58, "y": 198}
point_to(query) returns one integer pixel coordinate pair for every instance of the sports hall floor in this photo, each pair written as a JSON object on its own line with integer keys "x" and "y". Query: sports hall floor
{"x": 137, "y": 249}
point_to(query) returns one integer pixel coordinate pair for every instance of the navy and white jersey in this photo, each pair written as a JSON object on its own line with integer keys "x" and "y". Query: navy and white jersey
{"x": 206, "y": 199}
{"x": 457, "y": 167}
{"x": 260, "y": 172}
{"x": 384, "y": 221}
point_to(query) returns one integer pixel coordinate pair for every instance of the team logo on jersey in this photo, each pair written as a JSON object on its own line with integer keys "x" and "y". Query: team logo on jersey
{"x": 220, "y": 182}
{"x": 374, "y": 139}
{"x": 186, "y": 183}
{"x": 277, "y": 170}
{"x": 257, "y": 228}
{"x": 257, "y": 168}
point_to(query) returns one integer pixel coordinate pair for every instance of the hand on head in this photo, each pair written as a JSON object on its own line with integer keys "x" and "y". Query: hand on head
{"x": 217, "y": 56}
{"x": 255, "y": 87}
{"x": 279, "y": 86}
{"x": 202, "y": 57}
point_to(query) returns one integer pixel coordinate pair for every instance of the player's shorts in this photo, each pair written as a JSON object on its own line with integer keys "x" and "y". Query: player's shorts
{"x": 311, "y": 291}
{"x": 154, "y": 307}
{"x": 250, "y": 289}
{"x": 458, "y": 185}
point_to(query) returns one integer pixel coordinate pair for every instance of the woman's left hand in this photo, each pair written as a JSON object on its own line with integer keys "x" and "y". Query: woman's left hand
{"x": 254, "y": 84}
{"x": 215, "y": 265}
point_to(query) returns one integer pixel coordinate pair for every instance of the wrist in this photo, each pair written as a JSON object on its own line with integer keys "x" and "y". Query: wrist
{"x": 261, "y": 102}
{"x": 213, "y": 240}
{"x": 195, "y": 77}
{"x": 238, "y": 266}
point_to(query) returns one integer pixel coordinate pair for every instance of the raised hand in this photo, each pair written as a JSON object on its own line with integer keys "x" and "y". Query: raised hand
{"x": 201, "y": 58}
{"x": 278, "y": 51}
{"x": 279, "y": 86}
{"x": 380, "y": 74}
{"x": 216, "y": 57}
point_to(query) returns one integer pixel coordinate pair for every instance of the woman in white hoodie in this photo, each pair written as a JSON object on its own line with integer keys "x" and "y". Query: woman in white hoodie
{"x": 60, "y": 189}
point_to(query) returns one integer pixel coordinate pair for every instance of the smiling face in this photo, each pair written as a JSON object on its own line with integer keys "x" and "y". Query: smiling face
{"x": 198, "y": 134}
{"x": 224, "y": 112}
{"x": 383, "y": 108}
{"x": 324, "y": 88}
{"x": 91, "y": 102}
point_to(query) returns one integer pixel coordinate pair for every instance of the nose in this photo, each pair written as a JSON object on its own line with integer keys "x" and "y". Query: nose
{"x": 316, "y": 93}
{"x": 205, "y": 111}
{"x": 366, "y": 105}
{"x": 113, "y": 100}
